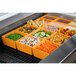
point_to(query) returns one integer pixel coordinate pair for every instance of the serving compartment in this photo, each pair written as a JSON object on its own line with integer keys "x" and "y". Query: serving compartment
{"x": 9, "y": 42}
{"x": 64, "y": 21}
{"x": 49, "y": 17}
{"x": 57, "y": 24}
{"x": 25, "y": 33}
{"x": 73, "y": 24}
{"x": 39, "y": 53}
{"x": 41, "y": 30}
{"x": 51, "y": 28}
{"x": 25, "y": 48}
{"x": 58, "y": 38}
{"x": 45, "y": 20}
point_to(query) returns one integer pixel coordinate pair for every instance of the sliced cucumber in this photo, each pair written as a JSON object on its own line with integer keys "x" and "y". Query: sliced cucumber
{"x": 36, "y": 34}
{"x": 47, "y": 35}
{"x": 43, "y": 33}
{"x": 41, "y": 36}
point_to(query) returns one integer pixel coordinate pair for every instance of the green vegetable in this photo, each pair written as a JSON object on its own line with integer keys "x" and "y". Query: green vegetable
{"x": 42, "y": 34}
{"x": 47, "y": 35}
{"x": 15, "y": 36}
{"x": 48, "y": 32}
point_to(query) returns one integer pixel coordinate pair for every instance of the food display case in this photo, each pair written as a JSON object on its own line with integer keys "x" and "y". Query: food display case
{"x": 38, "y": 38}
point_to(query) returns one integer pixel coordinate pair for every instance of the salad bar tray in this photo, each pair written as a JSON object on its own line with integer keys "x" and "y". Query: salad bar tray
{"x": 40, "y": 37}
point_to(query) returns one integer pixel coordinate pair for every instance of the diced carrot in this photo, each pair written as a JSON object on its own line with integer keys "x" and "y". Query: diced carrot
{"x": 47, "y": 47}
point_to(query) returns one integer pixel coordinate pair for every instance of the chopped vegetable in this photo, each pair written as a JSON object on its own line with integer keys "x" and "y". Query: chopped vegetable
{"x": 47, "y": 47}
{"x": 15, "y": 36}
{"x": 58, "y": 38}
{"x": 63, "y": 21}
{"x": 42, "y": 34}
{"x": 51, "y": 28}
{"x": 27, "y": 29}
{"x": 67, "y": 31}
{"x": 37, "y": 23}
{"x": 30, "y": 41}
{"x": 46, "y": 22}
{"x": 57, "y": 24}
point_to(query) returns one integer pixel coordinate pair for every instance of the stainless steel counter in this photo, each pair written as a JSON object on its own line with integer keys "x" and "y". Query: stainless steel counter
{"x": 2, "y": 14}
{"x": 7, "y": 19}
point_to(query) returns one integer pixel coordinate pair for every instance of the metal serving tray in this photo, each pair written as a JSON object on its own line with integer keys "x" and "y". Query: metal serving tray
{"x": 9, "y": 55}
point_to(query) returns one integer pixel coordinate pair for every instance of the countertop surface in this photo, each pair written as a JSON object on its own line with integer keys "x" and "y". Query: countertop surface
{"x": 2, "y": 14}
{"x": 11, "y": 17}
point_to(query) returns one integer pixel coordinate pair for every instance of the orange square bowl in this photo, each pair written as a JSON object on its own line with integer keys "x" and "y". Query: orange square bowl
{"x": 63, "y": 21}
{"x": 50, "y": 30}
{"x": 45, "y": 20}
{"x": 57, "y": 24}
{"x": 25, "y": 48}
{"x": 17, "y": 30}
{"x": 8, "y": 42}
{"x": 39, "y": 53}
{"x": 72, "y": 24}
{"x": 49, "y": 17}
{"x": 40, "y": 29}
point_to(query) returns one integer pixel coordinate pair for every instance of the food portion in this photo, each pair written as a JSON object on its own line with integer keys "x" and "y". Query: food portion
{"x": 27, "y": 29}
{"x": 45, "y": 21}
{"x": 48, "y": 17}
{"x": 57, "y": 24}
{"x": 47, "y": 47}
{"x": 67, "y": 32}
{"x": 63, "y": 21}
{"x": 14, "y": 36}
{"x": 51, "y": 28}
{"x": 30, "y": 41}
{"x": 73, "y": 23}
{"x": 36, "y": 23}
{"x": 70, "y": 28}
{"x": 58, "y": 38}
{"x": 42, "y": 34}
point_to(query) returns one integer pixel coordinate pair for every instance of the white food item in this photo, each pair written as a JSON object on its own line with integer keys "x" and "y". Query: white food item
{"x": 23, "y": 41}
{"x": 70, "y": 28}
{"x": 73, "y": 23}
{"x": 36, "y": 34}
{"x": 57, "y": 24}
{"x": 43, "y": 33}
{"x": 30, "y": 41}
{"x": 38, "y": 23}
{"x": 47, "y": 35}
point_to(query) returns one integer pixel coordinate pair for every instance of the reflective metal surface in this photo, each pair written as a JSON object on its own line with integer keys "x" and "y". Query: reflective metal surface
{"x": 15, "y": 17}
{"x": 65, "y": 16}
{"x": 71, "y": 58}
